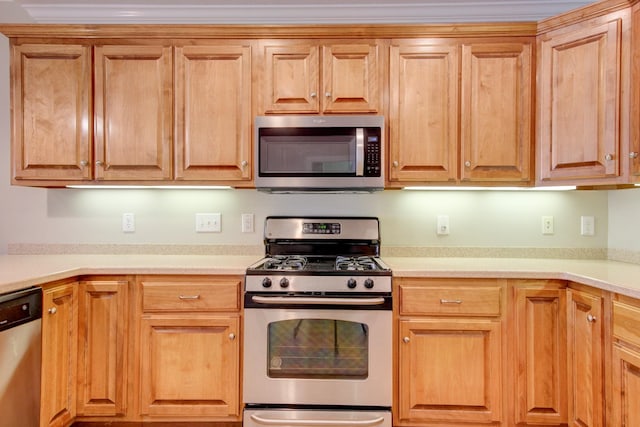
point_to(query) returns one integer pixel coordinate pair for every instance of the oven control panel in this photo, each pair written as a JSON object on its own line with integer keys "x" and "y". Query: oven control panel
{"x": 321, "y": 228}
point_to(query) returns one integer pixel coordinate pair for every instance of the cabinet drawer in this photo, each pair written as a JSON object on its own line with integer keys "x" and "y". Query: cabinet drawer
{"x": 434, "y": 300}
{"x": 191, "y": 296}
{"x": 626, "y": 322}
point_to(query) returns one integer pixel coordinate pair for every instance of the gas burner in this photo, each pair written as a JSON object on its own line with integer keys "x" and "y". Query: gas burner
{"x": 355, "y": 263}
{"x": 283, "y": 262}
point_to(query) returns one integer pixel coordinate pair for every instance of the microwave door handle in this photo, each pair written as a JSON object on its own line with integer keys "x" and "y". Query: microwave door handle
{"x": 318, "y": 300}
{"x": 359, "y": 152}
{"x": 316, "y": 423}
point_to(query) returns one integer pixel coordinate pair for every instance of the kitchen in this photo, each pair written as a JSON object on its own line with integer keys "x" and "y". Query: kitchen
{"x": 503, "y": 223}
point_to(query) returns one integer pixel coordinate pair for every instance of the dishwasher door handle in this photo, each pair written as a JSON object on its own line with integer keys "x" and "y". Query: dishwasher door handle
{"x": 316, "y": 423}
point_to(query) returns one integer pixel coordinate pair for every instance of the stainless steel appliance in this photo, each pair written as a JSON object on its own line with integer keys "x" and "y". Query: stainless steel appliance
{"x": 318, "y": 326}
{"x": 319, "y": 153}
{"x": 20, "y": 356}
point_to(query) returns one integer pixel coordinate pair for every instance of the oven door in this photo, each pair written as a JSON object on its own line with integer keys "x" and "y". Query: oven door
{"x": 309, "y": 356}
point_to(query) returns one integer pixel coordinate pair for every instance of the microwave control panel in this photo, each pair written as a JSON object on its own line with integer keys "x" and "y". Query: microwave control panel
{"x": 373, "y": 150}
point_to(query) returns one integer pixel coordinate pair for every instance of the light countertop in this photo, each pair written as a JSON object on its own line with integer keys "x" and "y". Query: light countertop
{"x": 21, "y": 271}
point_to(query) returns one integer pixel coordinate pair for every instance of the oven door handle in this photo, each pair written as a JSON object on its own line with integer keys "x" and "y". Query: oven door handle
{"x": 315, "y": 423}
{"x": 317, "y": 300}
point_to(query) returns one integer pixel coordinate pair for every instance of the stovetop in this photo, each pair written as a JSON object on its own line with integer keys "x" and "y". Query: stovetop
{"x": 312, "y": 264}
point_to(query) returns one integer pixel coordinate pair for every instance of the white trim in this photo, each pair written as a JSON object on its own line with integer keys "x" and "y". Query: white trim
{"x": 298, "y": 12}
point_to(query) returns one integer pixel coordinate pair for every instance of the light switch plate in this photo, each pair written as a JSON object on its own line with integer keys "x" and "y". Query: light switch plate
{"x": 208, "y": 223}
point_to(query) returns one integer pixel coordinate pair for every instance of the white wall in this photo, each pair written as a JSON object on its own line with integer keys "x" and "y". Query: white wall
{"x": 491, "y": 219}
{"x": 624, "y": 219}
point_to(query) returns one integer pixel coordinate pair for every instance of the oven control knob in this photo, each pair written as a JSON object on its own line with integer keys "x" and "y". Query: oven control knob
{"x": 368, "y": 283}
{"x": 351, "y": 283}
{"x": 284, "y": 282}
{"x": 266, "y": 282}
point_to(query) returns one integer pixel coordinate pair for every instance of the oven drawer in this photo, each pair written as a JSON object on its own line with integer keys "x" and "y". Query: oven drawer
{"x": 424, "y": 298}
{"x": 215, "y": 294}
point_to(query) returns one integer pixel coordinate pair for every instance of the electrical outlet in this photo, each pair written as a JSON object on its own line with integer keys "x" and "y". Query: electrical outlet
{"x": 547, "y": 225}
{"x": 247, "y": 222}
{"x": 208, "y": 223}
{"x": 442, "y": 227}
{"x": 587, "y": 225}
{"x": 128, "y": 222}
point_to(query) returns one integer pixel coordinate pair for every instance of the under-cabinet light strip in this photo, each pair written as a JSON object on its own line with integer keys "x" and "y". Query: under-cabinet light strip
{"x": 453, "y": 188}
{"x": 155, "y": 187}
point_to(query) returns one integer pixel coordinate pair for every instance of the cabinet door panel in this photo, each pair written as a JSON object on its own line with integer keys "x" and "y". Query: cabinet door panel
{"x": 541, "y": 388}
{"x": 423, "y": 113}
{"x": 51, "y": 88}
{"x": 59, "y": 356}
{"x": 133, "y": 107}
{"x": 496, "y": 112}
{"x": 626, "y": 387}
{"x": 189, "y": 366}
{"x": 579, "y": 98}
{"x": 102, "y": 332}
{"x": 291, "y": 78}
{"x": 450, "y": 370}
{"x": 351, "y": 78}
{"x": 213, "y": 112}
{"x": 585, "y": 362}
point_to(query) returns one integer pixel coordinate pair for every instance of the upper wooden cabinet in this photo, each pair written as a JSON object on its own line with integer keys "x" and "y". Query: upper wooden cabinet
{"x": 133, "y": 112}
{"x": 52, "y": 115}
{"x": 460, "y": 123}
{"x": 582, "y": 102}
{"x": 308, "y": 76}
{"x": 213, "y": 112}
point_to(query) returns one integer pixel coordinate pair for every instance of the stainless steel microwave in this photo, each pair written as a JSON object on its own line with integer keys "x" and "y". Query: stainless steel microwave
{"x": 319, "y": 153}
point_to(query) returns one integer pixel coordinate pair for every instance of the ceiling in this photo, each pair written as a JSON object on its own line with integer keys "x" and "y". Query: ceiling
{"x": 285, "y": 11}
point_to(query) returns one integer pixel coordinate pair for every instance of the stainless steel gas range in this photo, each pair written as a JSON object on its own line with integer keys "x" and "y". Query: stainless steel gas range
{"x": 318, "y": 326}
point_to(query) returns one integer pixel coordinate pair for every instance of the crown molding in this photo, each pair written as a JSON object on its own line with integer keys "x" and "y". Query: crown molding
{"x": 298, "y": 12}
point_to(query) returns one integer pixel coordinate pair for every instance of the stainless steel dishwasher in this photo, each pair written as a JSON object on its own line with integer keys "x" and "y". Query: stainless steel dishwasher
{"x": 20, "y": 357}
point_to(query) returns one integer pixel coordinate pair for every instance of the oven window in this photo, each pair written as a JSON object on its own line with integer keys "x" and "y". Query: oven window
{"x": 318, "y": 348}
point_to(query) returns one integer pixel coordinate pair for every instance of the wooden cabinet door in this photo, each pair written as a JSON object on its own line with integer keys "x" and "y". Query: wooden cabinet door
{"x": 579, "y": 100}
{"x": 626, "y": 387}
{"x": 496, "y": 110}
{"x": 51, "y": 130}
{"x": 351, "y": 78}
{"x": 133, "y": 112}
{"x": 291, "y": 77}
{"x": 585, "y": 359}
{"x": 540, "y": 347}
{"x": 189, "y": 366}
{"x": 423, "y": 112}
{"x": 450, "y": 370}
{"x": 213, "y": 112}
{"x": 59, "y": 355}
{"x": 102, "y": 337}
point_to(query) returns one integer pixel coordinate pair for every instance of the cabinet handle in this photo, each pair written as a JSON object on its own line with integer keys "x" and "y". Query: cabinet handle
{"x": 232, "y": 336}
{"x": 467, "y": 164}
{"x": 83, "y": 163}
{"x": 396, "y": 164}
{"x": 633, "y": 155}
{"x": 189, "y": 297}
{"x": 608, "y": 157}
{"x": 244, "y": 163}
{"x": 52, "y": 310}
{"x": 406, "y": 340}
{"x": 98, "y": 162}
{"x": 327, "y": 94}
{"x": 450, "y": 301}
{"x": 591, "y": 318}
{"x": 313, "y": 94}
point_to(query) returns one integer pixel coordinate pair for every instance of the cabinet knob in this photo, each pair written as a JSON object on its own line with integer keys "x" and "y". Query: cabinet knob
{"x": 633, "y": 155}
{"x": 327, "y": 94}
{"x": 406, "y": 339}
{"x": 232, "y": 336}
{"x": 467, "y": 164}
{"x": 591, "y": 318}
{"x": 52, "y": 310}
{"x": 396, "y": 163}
{"x": 98, "y": 162}
{"x": 608, "y": 157}
{"x": 83, "y": 163}
{"x": 313, "y": 94}
{"x": 244, "y": 163}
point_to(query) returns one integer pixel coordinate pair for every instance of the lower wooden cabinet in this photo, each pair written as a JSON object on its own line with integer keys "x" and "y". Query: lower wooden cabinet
{"x": 59, "y": 349}
{"x": 450, "y": 351}
{"x": 539, "y": 340}
{"x": 102, "y": 338}
{"x": 625, "y": 370}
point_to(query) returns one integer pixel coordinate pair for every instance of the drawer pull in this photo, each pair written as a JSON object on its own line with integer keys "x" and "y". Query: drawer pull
{"x": 591, "y": 318}
{"x": 450, "y": 301}
{"x": 189, "y": 297}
